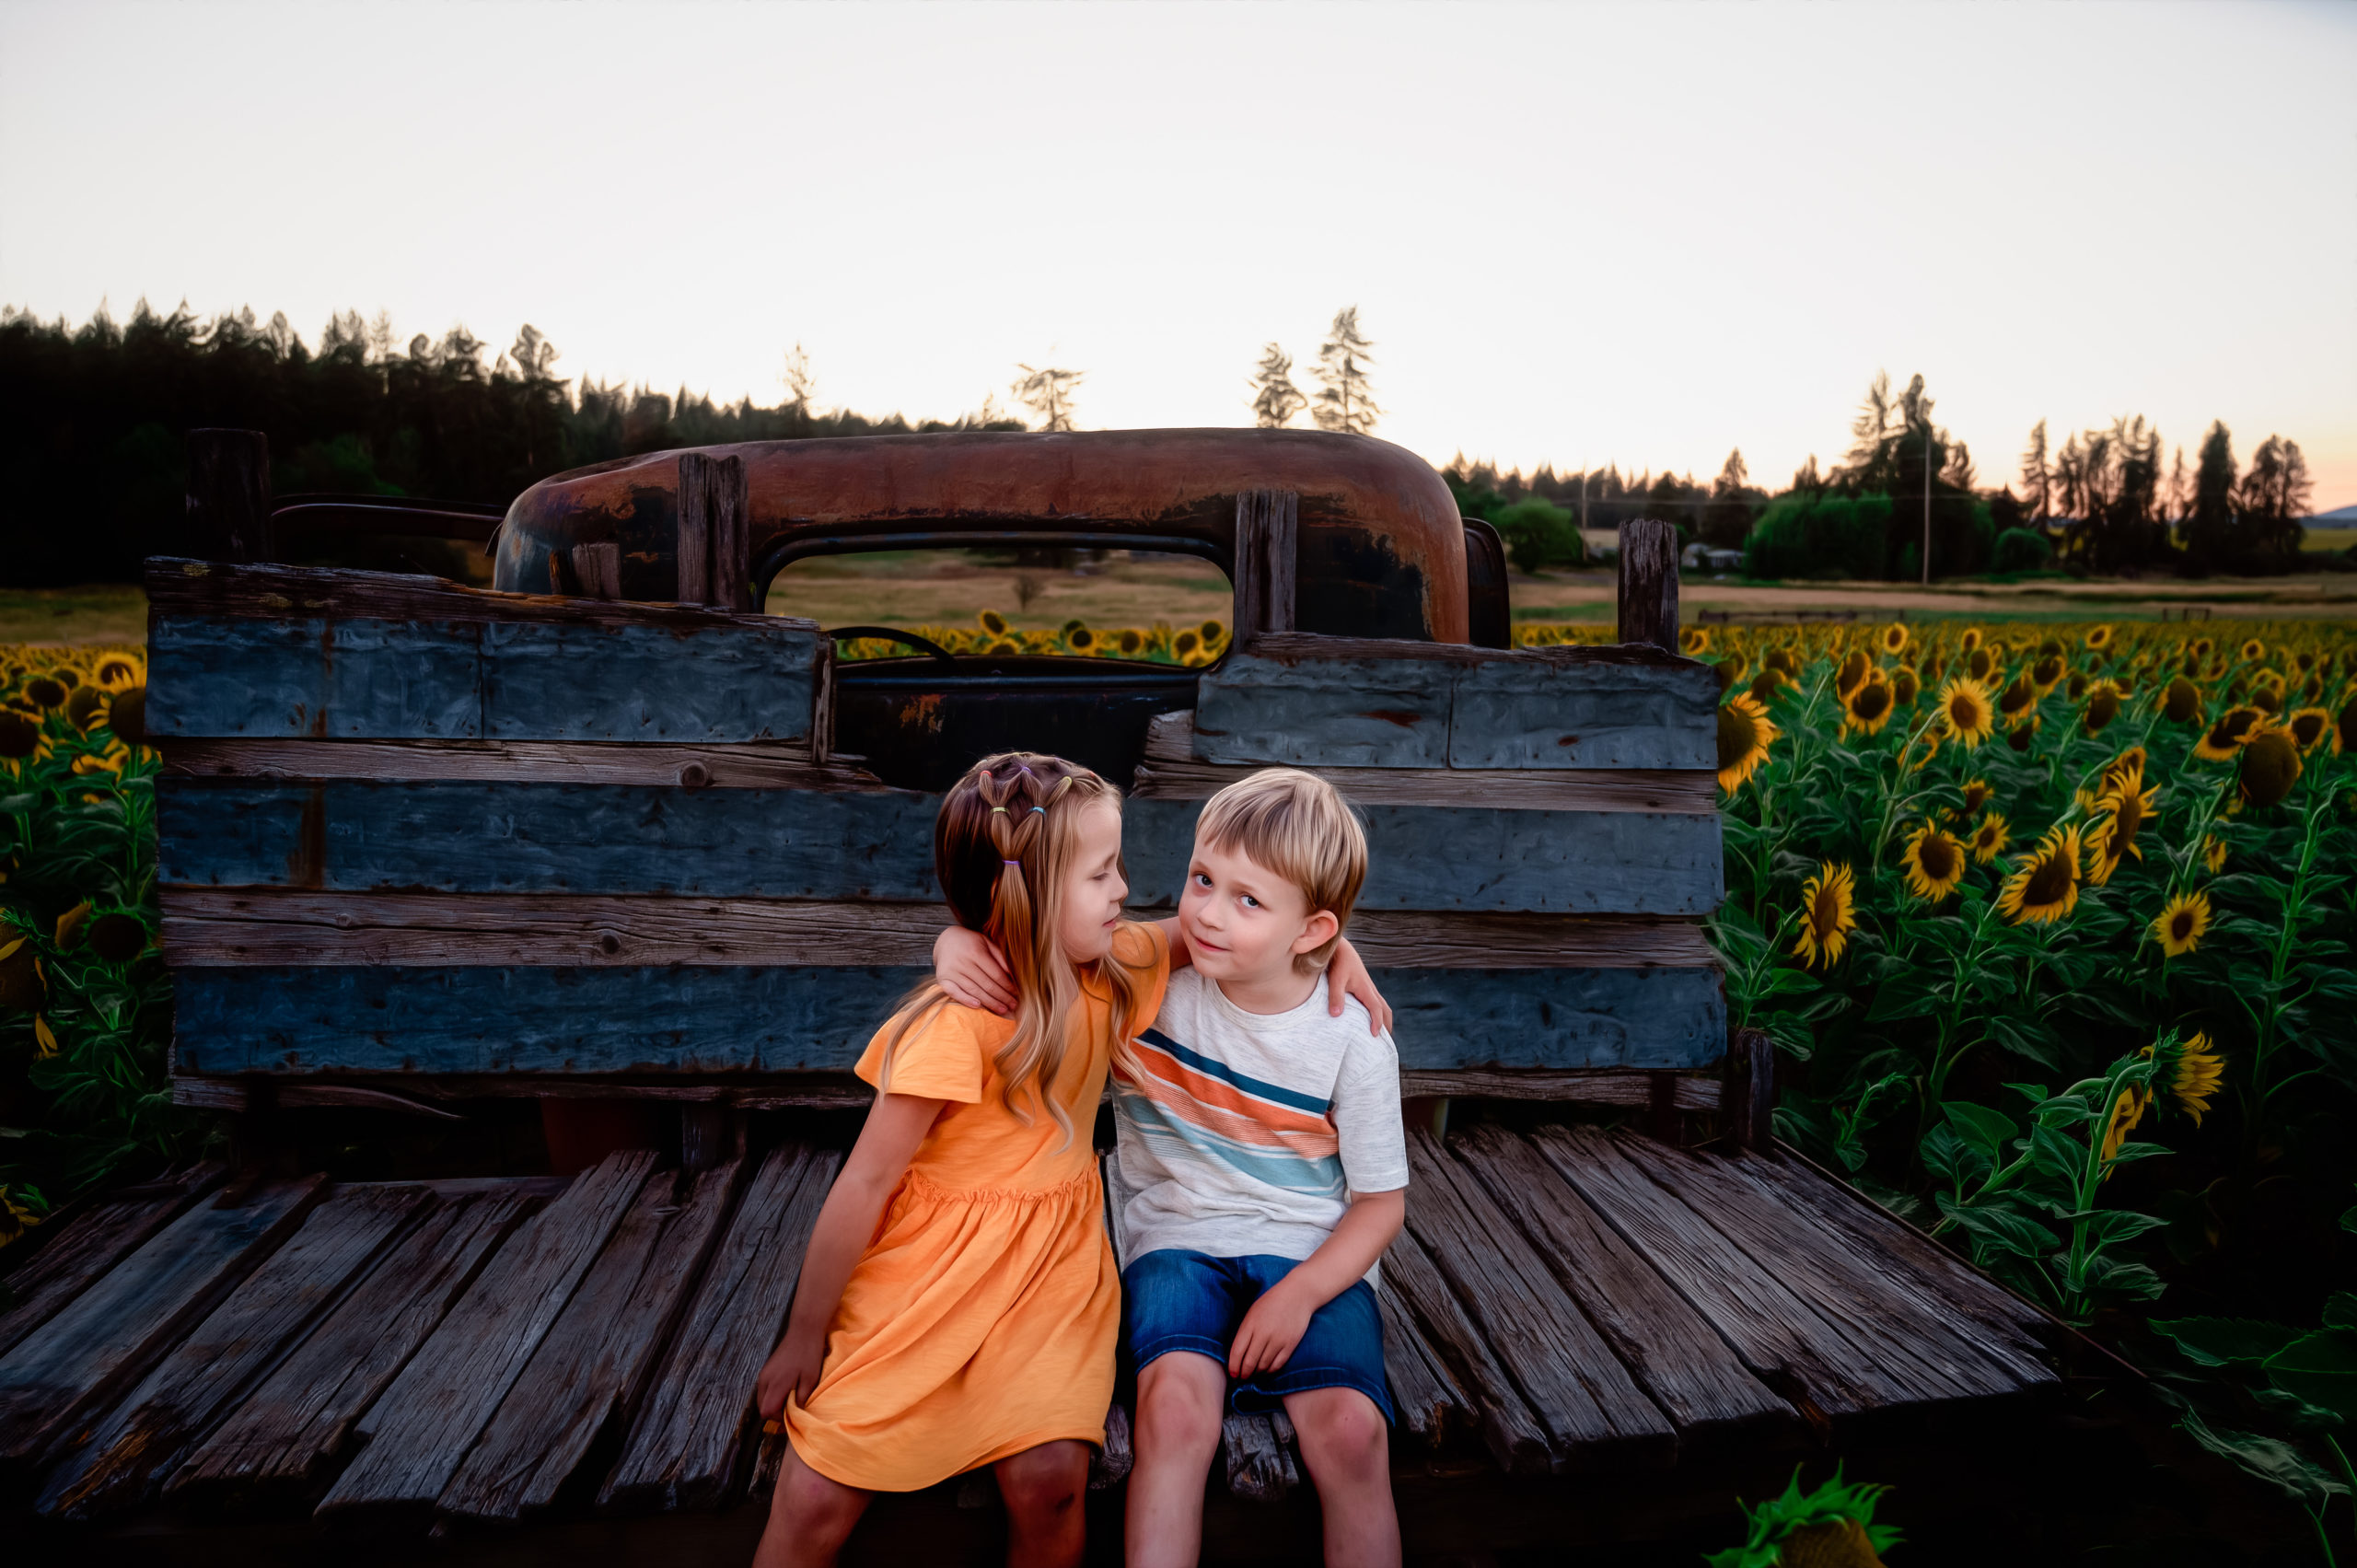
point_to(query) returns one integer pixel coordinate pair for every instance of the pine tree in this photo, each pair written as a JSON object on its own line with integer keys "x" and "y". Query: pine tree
{"x": 1275, "y": 400}
{"x": 801, "y": 387}
{"x": 1047, "y": 394}
{"x": 2274, "y": 496}
{"x": 2210, "y": 534}
{"x": 1344, "y": 402}
{"x": 1726, "y": 519}
{"x": 2036, "y": 478}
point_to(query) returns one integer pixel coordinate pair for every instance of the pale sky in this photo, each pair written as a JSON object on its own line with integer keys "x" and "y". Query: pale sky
{"x": 1577, "y": 234}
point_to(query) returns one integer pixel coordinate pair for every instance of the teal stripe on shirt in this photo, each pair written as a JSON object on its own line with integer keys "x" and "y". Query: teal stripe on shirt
{"x": 1293, "y": 1173}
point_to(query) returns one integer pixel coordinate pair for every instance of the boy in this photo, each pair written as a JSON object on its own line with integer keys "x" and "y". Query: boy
{"x": 1261, "y": 1172}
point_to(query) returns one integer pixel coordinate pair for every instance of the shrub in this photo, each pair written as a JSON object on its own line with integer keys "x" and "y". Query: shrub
{"x": 2023, "y": 550}
{"x": 1819, "y": 535}
{"x": 1539, "y": 534}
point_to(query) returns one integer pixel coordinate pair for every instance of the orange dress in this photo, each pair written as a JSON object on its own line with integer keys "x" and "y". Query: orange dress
{"x": 980, "y": 1319}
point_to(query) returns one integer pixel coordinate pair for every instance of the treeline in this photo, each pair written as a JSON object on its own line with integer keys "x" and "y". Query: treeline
{"x": 93, "y": 421}
{"x": 2104, "y": 502}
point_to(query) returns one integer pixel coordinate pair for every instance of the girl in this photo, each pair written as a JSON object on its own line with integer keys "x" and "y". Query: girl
{"x": 959, "y": 1302}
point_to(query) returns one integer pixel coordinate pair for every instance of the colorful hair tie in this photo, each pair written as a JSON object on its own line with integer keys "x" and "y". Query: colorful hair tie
{"x": 1016, "y": 863}
{"x": 1039, "y": 811}
{"x": 998, "y": 808}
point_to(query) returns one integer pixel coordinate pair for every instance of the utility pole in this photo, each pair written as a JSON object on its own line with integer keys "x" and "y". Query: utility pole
{"x": 1927, "y": 504}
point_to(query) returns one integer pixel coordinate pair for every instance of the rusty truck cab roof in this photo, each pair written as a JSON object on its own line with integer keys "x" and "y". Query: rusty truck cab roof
{"x": 1381, "y": 547}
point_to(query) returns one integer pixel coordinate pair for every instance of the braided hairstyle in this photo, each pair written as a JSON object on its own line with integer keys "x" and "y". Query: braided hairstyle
{"x": 1001, "y": 846}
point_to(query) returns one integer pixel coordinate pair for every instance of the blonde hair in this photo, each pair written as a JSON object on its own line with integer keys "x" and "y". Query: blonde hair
{"x": 1297, "y": 826}
{"x": 1004, "y": 839}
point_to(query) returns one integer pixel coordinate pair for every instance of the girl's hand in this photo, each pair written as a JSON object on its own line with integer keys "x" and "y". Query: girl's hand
{"x": 971, "y": 971}
{"x": 1346, "y": 976}
{"x": 791, "y": 1373}
{"x": 1271, "y": 1329}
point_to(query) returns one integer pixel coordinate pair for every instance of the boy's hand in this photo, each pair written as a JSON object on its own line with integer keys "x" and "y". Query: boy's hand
{"x": 1346, "y": 976}
{"x": 1265, "y": 1340}
{"x": 791, "y": 1373}
{"x": 969, "y": 969}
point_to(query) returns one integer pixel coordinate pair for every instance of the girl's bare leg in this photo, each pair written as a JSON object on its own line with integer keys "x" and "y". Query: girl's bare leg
{"x": 810, "y": 1517}
{"x": 1045, "y": 1490}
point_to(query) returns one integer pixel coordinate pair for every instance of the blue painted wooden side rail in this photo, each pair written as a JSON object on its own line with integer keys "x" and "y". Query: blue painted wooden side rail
{"x": 789, "y": 1018}
{"x": 475, "y": 837}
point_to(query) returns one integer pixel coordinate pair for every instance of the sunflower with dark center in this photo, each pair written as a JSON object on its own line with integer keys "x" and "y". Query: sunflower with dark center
{"x": 2047, "y": 672}
{"x": 1745, "y": 733}
{"x": 2099, "y": 638}
{"x": 1970, "y": 640}
{"x": 1868, "y": 706}
{"x": 85, "y": 705}
{"x": 2022, "y": 735}
{"x": 2309, "y": 728}
{"x": 21, "y": 738}
{"x": 2202, "y": 648}
{"x": 1976, "y": 795}
{"x": 116, "y": 672}
{"x": 2077, "y": 687}
{"x": 2044, "y": 886}
{"x": 1965, "y": 711}
{"x": 2235, "y": 726}
{"x": 1934, "y": 862}
{"x": 1185, "y": 645}
{"x": 2126, "y": 807}
{"x": 1853, "y": 670}
{"x": 1694, "y": 641}
{"x": 2181, "y": 704}
{"x": 1979, "y": 663}
{"x": 1828, "y": 916}
{"x": 2103, "y": 706}
{"x": 1768, "y": 683}
{"x": 1894, "y": 638}
{"x": 1730, "y": 672}
{"x": 2271, "y": 766}
{"x": 2253, "y": 649}
{"x": 1211, "y": 632}
{"x": 45, "y": 693}
{"x": 1904, "y": 684}
{"x": 1081, "y": 640}
{"x": 1990, "y": 839}
{"x": 118, "y": 937}
{"x": 2179, "y": 927}
{"x": 2019, "y": 697}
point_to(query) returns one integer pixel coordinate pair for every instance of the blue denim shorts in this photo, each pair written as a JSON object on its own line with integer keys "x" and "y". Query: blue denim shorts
{"x": 1178, "y": 1300}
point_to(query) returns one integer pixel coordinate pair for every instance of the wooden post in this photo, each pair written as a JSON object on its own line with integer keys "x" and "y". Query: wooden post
{"x": 710, "y": 1136}
{"x": 1649, "y": 583}
{"x": 715, "y": 525}
{"x": 695, "y": 546}
{"x": 1268, "y": 533}
{"x": 228, "y": 495}
{"x": 598, "y": 569}
{"x": 1748, "y": 1092}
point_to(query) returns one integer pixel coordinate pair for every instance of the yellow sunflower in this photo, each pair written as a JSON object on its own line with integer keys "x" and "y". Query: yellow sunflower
{"x": 1768, "y": 683}
{"x": 1694, "y": 641}
{"x": 1894, "y": 637}
{"x": 1828, "y": 915}
{"x": 2099, "y": 638}
{"x": 1213, "y": 634}
{"x": 2235, "y": 726}
{"x": 2048, "y": 673}
{"x": 2253, "y": 649}
{"x": 1965, "y": 713}
{"x": 1905, "y": 683}
{"x": 2126, "y": 1111}
{"x": 2129, "y": 761}
{"x": 1731, "y": 671}
{"x": 2179, "y": 927}
{"x": 2213, "y": 853}
{"x": 2181, "y": 704}
{"x": 1745, "y": 733}
{"x": 1990, "y": 839}
{"x": 1980, "y": 662}
{"x": 2103, "y": 706}
{"x": 2188, "y": 1072}
{"x": 2045, "y": 884}
{"x": 2271, "y": 766}
{"x": 1868, "y": 706}
{"x": 2126, "y": 807}
{"x": 1852, "y": 671}
{"x": 2309, "y": 728}
{"x": 1934, "y": 862}
{"x": 2018, "y": 700}
{"x": 118, "y": 671}
{"x": 1970, "y": 640}
{"x": 1976, "y": 795}
{"x": 992, "y": 622}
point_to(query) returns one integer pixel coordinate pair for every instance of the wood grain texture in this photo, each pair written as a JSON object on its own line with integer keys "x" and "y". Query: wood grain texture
{"x": 1268, "y": 548}
{"x": 1780, "y": 1337}
{"x": 782, "y": 765}
{"x": 1542, "y": 716}
{"x": 797, "y": 1019}
{"x": 280, "y": 1437}
{"x": 212, "y": 928}
{"x": 797, "y": 1091}
{"x": 1514, "y": 1436}
{"x": 92, "y": 1241}
{"x": 1259, "y": 1451}
{"x": 1425, "y": 1398}
{"x": 1592, "y": 1409}
{"x": 107, "y": 1338}
{"x": 418, "y": 1432}
{"x": 1340, "y": 713}
{"x": 136, "y": 1443}
{"x": 1594, "y": 1085}
{"x": 1648, "y": 583}
{"x": 1692, "y": 1374}
{"x": 1513, "y": 789}
{"x": 182, "y": 587}
{"x": 686, "y": 1444}
{"x": 352, "y": 836}
{"x": 593, "y": 1363}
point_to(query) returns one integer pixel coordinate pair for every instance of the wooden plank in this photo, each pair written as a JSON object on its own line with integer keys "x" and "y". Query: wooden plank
{"x": 1592, "y": 1085}
{"x": 598, "y": 567}
{"x": 1514, "y": 1438}
{"x": 648, "y": 683}
{"x": 1111, "y": 1464}
{"x": 1865, "y": 1284}
{"x": 214, "y": 927}
{"x": 1430, "y": 1405}
{"x": 685, "y": 1019}
{"x": 92, "y": 1240}
{"x": 1648, "y": 583}
{"x": 592, "y": 1365}
{"x": 781, "y": 766}
{"x": 1780, "y": 1337}
{"x": 687, "y": 1441}
{"x": 352, "y": 836}
{"x": 108, "y": 1337}
{"x": 335, "y": 680}
{"x": 1748, "y": 1092}
{"x": 1678, "y": 1359}
{"x": 181, "y": 587}
{"x": 1516, "y": 789}
{"x": 1267, "y": 544}
{"x": 418, "y": 1432}
{"x": 796, "y": 1091}
{"x": 691, "y": 545}
{"x": 283, "y": 1435}
{"x": 1261, "y": 1465}
{"x": 1591, "y": 1406}
{"x": 1531, "y": 714}
{"x": 1338, "y": 712}
{"x": 136, "y": 1443}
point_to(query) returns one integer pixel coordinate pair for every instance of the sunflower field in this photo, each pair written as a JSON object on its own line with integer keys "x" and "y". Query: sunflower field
{"x": 994, "y": 635}
{"x": 84, "y": 1004}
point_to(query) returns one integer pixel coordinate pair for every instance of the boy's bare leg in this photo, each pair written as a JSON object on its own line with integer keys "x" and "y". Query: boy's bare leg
{"x": 1181, "y": 1396}
{"x": 1044, "y": 1489}
{"x": 1347, "y": 1445}
{"x": 810, "y": 1517}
